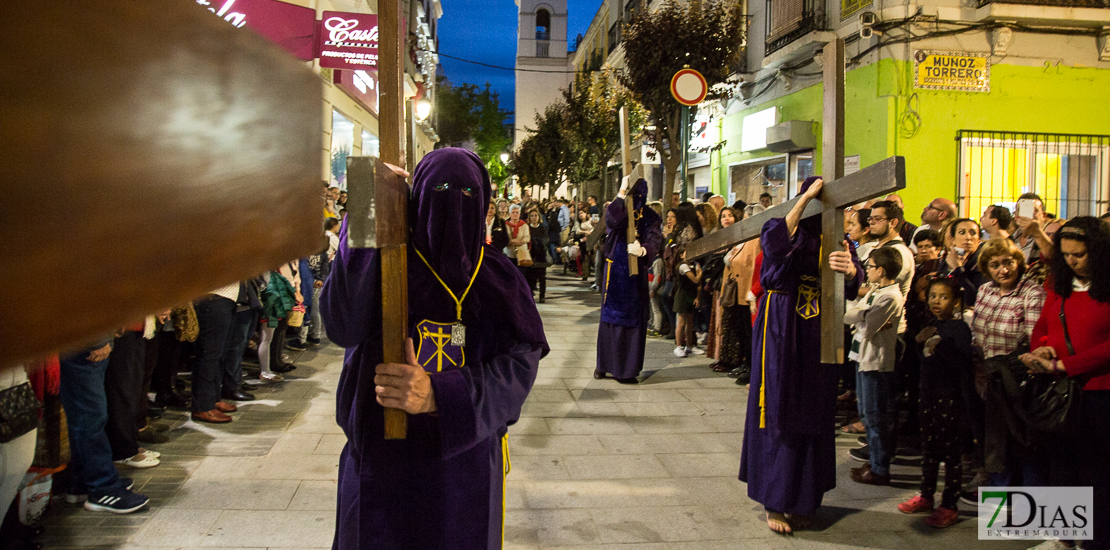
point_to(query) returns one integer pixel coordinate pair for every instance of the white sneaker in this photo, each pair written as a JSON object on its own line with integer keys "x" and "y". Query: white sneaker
{"x": 695, "y": 351}
{"x": 680, "y": 351}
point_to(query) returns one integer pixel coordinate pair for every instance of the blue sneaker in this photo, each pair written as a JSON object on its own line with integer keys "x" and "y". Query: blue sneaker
{"x": 76, "y": 494}
{"x": 120, "y": 501}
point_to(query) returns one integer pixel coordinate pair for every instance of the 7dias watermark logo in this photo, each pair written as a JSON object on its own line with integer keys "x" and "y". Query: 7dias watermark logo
{"x": 1036, "y": 513}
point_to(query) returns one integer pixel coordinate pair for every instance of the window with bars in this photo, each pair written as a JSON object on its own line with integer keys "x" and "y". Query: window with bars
{"x": 789, "y": 20}
{"x": 1070, "y": 172}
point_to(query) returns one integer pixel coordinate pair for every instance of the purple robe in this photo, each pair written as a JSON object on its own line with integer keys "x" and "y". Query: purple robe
{"x": 625, "y": 310}
{"x": 788, "y": 457}
{"x": 443, "y": 486}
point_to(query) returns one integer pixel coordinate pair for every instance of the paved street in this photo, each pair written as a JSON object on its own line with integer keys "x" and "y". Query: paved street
{"x": 596, "y": 465}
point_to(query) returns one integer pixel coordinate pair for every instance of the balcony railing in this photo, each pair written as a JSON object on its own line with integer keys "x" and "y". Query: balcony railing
{"x": 1057, "y": 3}
{"x": 789, "y": 20}
{"x": 543, "y": 48}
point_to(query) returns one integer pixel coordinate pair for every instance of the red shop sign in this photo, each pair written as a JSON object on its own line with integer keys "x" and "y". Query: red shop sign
{"x": 291, "y": 27}
{"x": 348, "y": 41}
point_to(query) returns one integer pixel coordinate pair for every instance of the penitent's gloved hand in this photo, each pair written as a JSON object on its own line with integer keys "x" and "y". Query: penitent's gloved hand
{"x": 635, "y": 249}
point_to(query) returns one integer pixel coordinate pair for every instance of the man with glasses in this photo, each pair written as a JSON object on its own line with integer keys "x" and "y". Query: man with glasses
{"x": 908, "y": 229}
{"x": 936, "y": 213}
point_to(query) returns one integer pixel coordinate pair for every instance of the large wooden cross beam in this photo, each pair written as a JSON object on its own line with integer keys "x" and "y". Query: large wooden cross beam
{"x": 152, "y": 152}
{"x": 879, "y": 179}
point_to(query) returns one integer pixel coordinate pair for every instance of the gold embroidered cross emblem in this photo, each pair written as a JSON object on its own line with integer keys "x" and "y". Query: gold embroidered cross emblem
{"x": 809, "y": 301}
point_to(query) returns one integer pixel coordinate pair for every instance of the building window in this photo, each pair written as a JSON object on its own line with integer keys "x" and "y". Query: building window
{"x": 1071, "y": 173}
{"x": 543, "y": 25}
{"x": 614, "y": 36}
{"x": 789, "y": 20}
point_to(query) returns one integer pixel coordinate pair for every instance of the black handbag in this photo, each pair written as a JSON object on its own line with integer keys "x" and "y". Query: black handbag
{"x": 19, "y": 411}
{"x": 1052, "y": 403}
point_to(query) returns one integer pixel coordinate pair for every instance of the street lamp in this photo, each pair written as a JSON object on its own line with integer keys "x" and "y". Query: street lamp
{"x": 504, "y": 158}
{"x": 423, "y": 109}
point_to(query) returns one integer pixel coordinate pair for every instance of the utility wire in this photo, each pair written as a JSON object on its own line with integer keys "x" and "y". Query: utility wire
{"x": 500, "y": 67}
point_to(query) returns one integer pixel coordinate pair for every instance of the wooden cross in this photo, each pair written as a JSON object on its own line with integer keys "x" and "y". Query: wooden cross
{"x": 378, "y": 201}
{"x": 633, "y": 176}
{"x": 152, "y": 152}
{"x": 839, "y": 191}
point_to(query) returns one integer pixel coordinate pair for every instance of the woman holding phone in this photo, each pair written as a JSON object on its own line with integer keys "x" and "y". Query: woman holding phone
{"x": 961, "y": 259}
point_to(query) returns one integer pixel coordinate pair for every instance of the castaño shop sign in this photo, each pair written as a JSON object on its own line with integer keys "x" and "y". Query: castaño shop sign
{"x": 341, "y": 40}
{"x": 348, "y": 41}
{"x": 958, "y": 71}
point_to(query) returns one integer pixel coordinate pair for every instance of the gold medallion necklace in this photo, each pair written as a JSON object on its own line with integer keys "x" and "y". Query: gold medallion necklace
{"x": 458, "y": 331}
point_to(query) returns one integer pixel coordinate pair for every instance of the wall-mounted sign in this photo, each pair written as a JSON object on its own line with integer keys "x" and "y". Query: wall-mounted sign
{"x": 848, "y": 8}
{"x": 851, "y": 165}
{"x": 349, "y": 41}
{"x": 959, "y": 71}
{"x": 291, "y": 27}
{"x": 753, "y": 134}
{"x": 360, "y": 85}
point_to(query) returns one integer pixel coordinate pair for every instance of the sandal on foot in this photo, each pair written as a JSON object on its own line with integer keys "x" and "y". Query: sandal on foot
{"x": 270, "y": 377}
{"x": 857, "y": 428}
{"x": 777, "y": 522}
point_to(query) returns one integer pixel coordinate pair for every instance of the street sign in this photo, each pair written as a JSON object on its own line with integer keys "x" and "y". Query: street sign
{"x": 689, "y": 87}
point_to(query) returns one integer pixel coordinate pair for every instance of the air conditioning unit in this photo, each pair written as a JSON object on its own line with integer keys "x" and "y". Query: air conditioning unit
{"x": 792, "y": 136}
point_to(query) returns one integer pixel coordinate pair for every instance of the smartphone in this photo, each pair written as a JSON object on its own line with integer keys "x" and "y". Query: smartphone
{"x": 1025, "y": 208}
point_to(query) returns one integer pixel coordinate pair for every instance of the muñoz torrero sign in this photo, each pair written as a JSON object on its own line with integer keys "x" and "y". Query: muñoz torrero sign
{"x": 959, "y": 71}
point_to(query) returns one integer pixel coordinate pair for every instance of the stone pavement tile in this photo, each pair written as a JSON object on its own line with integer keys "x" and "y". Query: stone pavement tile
{"x": 316, "y": 425}
{"x": 598, "y": 410}
{"x": 550, "y": 527}
{"x": 776, "y": 543}
{"x": 545, "y": 410}
{"x": 667, "y": 409}
{"x": 177, "y": 527}
{"x": 296, "y": 443}
{"x": 662, "y": 524}
{"x": 615, "y": 467}
{"x": 281, "y": 529}
{"x": 726, "y": 423}
{"x": 724, "y": 395}
{"x": 529, "y": 426}
{"x": 565, "y": 494}
{"x": 733, "y": 408}
{"x": 520, "y": 445}
{"x": 277, "y": 466}
{"x": 530, "y": 467}
{"x": 668, "y": 442}
{"x": 647, "y": 396}
{"x": 235, "y": 494}
{"x": 700, "y": 464}
{"x": 672, "y": 425}
{"x": 541, "y": 395}
{"x": 588, "y": 425}
{"x": 633, "y": 546}
{"x": 331, "y": 444}
{"x": 315, "y": 495}
{"x": 548, "y": 384}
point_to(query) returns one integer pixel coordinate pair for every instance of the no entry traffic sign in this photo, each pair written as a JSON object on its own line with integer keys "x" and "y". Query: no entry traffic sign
{"x": 689, "y": 87}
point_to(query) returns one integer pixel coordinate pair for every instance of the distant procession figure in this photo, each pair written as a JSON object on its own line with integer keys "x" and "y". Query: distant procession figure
{"x": 788, "y": 457}
{"x": 444, "y": 485}
{"x": 626, "y": 308}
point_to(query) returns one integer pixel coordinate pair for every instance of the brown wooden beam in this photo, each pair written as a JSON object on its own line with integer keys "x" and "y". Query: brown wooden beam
{"x": 832, "y": 220}
{"x": 152, "y": 152}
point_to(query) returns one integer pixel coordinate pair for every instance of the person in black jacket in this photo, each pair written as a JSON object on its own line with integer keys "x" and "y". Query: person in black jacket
{"x": 496, "y": 234}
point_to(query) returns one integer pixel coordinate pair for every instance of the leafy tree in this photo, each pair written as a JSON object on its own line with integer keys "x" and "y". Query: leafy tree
{"x": 592, "y": 119}
{"x": 705, "y": 36}
{"x": 472, "y": 117}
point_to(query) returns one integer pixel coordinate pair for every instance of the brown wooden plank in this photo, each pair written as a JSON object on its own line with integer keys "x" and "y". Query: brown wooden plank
{"x": 832, "y": 220}
{"x": 881, "y": 178}
{"x": 395, "y": 311}
{"x": 626, "y": 158}
{"x": 152, "y": 152}
{"x": 391, "y": 132}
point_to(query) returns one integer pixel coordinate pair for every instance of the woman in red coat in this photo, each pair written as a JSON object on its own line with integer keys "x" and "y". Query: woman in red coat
{"x": 1072, "y": 338}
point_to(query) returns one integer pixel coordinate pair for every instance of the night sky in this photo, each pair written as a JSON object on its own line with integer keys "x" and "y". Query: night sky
{"x": 485, "y": 31}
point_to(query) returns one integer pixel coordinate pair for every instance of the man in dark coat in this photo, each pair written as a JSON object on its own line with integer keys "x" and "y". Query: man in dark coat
{"x": 788, "y": 457}
{"x": 626, "y": 307}
{"x": 443, "y": 486}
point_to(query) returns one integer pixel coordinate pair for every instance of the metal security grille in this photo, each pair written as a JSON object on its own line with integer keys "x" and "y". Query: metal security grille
{"x": 1061, "y": 3}
{"x": 1070, "y": 172}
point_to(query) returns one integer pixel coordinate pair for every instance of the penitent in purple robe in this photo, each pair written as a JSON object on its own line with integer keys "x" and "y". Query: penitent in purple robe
{"x": 622, "y": 333}
{"x": 788, "y": 456}
{"x": 443, "y": 486}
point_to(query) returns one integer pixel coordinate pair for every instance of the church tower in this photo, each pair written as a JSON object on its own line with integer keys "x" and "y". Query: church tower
{"x": 541, "y": 45}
